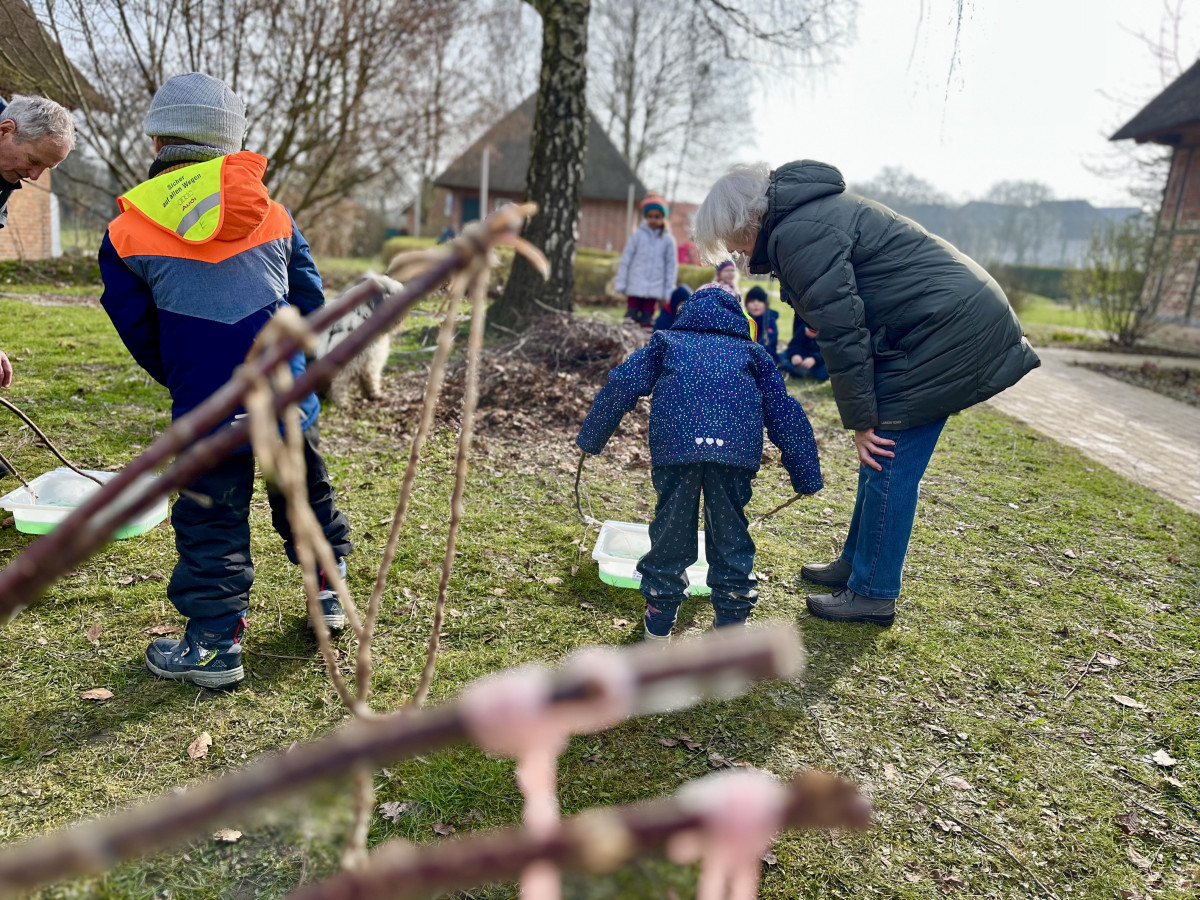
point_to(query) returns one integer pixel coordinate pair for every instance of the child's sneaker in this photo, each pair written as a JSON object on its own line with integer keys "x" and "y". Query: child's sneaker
{"x": 331, "y": 607}
{"x": 204, "y": 658}
{"x": 657, "y": 624}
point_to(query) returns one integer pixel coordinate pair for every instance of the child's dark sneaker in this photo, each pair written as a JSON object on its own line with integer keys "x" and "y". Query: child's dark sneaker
{"x": 204, "y": 658}
{"x": 331, "y": 606}
{"x": 847, "y": 606}
{"x": 658, "y": 624}
{"x": 834, "y": 574}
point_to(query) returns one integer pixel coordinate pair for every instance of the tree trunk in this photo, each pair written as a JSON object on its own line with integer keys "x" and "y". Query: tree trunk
{"x": 555, "y": 175}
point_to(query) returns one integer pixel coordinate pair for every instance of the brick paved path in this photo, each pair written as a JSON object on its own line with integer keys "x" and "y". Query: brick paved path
{"x": 1148, "y": 438}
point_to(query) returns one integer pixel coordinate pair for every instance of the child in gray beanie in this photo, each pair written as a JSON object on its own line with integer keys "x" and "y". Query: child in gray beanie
{"x": 202, "y": 112}
{"x": 194, "y": 267}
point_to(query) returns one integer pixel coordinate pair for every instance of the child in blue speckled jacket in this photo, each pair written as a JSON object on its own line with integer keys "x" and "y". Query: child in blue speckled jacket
{"x": 713, "y": 388}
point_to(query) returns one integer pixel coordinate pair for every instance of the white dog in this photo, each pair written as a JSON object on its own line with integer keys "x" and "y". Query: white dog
{"x": 366, "y": 369}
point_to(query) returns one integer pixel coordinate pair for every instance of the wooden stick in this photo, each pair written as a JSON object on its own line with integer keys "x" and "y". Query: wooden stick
{"x": 719, "y": 665}
{"x": 49, "y": 443}
{"x": 598, "y": 840}
{"x": 784, "y": 505}
{"x": 8, "y": 465}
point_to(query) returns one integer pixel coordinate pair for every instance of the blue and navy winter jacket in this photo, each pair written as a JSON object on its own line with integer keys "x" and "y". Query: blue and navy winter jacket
{"x": 189, "y": 309}
{"x": 713, "y": 388}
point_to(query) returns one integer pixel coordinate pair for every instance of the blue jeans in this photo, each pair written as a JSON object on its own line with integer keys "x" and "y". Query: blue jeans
{"x": 727, "y": 542}
{"x": 884, "y": 512}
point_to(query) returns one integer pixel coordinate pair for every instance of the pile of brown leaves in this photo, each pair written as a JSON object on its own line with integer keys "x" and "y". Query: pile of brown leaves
{"x": 544, "y": 380}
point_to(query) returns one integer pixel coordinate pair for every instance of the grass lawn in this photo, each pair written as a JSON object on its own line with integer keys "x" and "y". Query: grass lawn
{"x": 1038, "y": 310}
{"x": 995, "y": 755}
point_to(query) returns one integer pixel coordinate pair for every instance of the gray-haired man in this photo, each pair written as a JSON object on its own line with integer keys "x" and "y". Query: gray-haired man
{"x": 36, "y": 134}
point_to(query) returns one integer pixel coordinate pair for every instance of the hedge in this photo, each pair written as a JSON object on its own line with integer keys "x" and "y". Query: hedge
{"x": 1049, "y": 282}
{"x": 65, "y": 270}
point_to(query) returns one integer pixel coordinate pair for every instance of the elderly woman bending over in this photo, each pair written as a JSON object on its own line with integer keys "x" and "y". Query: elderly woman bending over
{"x": 911, "y": 329}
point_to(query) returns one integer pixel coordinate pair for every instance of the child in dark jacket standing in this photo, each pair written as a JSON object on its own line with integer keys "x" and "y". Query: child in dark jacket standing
{"x": 194, "y": 267}
{"x": 765, "y": 318}
{"x": 713, "y": 388}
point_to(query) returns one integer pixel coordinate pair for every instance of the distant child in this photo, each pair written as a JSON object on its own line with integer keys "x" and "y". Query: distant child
{"x": 671, "y": 308}
{"x": 802, "y": 358}
{"x": 646, "y": 273}
{"x": 712, "y": 389}
{"x": 727, "y": 276}
{"x": 765, "y": 318}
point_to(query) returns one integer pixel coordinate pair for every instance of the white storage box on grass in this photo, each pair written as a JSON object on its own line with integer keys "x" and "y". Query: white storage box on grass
{"x": 622, "y": 544}
{"x": 59, "y": 492}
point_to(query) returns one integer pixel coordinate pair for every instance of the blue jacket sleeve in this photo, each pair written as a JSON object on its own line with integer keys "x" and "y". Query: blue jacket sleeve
{"x": 789, "y": 429}
{"x": 129, "y": 303}
{"x": 630, "y": 380}
{"x": 305, "y": 291}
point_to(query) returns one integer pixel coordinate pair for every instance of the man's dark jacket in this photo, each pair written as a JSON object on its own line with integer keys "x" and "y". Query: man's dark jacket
{"x": 911, "y": 329}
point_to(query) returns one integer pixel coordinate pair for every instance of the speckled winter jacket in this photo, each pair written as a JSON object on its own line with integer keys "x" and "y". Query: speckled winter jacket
{"x": 713, "y": 388}
{"x": 648, "y": 264}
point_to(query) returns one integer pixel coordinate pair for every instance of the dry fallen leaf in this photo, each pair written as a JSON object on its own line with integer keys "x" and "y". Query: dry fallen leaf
{"x": 159, "y": 630}
{"x": 668, "y": 742}
{"x": 93, "y": 634}
{"x": 1164, "y": 759}
{"x": 1128, "y": 701}
{"x": 227, "y": 836}
{"x": 454, "y": 613}
{"x": 889, "y": 772}
{"x": 1137, "y": 859}
{"x": 620, "y": 623}
{"x": 912, "y": 877}
{"x": 552, "y": 579}
{"x": 499, "y": 592}
{"x": 408, "y": 593}
{"x": 586, "y": 605}
{"x": 574, "y": 571}
{"x": 958, "y": 783}
{"x": 395, "y": 810}
{"x": 198, "y": 749}
{"x": 1173, "y": 782}
{"x": 1128, "y": 822}
{"x": 97, "y": 694}
{"x": 770, "y": 858}
{"x": 126, "y": 580}
{"x": 1107, "y": 659}
{"x": 443, "y": 828}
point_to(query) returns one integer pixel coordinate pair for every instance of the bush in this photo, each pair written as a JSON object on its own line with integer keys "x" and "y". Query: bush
{"x": 1114, "y": 279}
{"x": 403, "y": 242}
{"x": 1049, "y": 282}
{"x": 80, "y": 270}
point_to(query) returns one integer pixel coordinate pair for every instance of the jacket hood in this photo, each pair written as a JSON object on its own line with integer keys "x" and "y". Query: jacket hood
{"x": 792, "y": 186}
{"x": 713, "y": 310}
{"x": 243, "y": 195}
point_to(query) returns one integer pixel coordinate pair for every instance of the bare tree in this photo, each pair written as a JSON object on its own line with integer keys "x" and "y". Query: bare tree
{"x": 1113, "y": 279}
{"x": 1024, "y": 223}
{"x": 326, "y": 82}
{"x": 897, "y": 187}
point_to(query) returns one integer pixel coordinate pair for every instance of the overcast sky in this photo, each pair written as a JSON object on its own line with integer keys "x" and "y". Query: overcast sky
{"x": 1039, "y": 86}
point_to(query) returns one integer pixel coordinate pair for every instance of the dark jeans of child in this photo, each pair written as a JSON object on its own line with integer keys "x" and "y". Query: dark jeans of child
{"x": 641, "y": 310}
{"x": 727, "y": 543}
{"x": 212, "y": 579}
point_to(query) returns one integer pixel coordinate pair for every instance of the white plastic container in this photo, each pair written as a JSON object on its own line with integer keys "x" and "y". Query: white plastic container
{"x": 59, "y": 492}
{"x": 622, "y": 544}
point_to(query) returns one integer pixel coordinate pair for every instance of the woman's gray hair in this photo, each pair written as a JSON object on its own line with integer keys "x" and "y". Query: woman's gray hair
{"x": 732, "y": 209}
{"x": 39, "y": 117}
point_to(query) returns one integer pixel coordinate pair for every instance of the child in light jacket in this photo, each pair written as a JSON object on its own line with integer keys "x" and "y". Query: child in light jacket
{"x": 713, "y": 387}
{"x": 646, "y": 273}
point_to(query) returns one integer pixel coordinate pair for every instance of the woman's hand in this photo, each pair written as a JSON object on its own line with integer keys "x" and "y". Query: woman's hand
{"x": 870, "y": 445}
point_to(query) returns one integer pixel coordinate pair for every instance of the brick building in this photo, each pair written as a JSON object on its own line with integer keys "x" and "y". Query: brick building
{"x": 32, "y": 231}
{"x": 603, "y": 213}
{"x": 1173, "y": 120}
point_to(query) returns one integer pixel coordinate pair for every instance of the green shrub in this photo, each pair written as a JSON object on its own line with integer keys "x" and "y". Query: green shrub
{"x": 1044, "y": 280}
{"x": 65, "y": 270}
{"x": 399, "y": 244}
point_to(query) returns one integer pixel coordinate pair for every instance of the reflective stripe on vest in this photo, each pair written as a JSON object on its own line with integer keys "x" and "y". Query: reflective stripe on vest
{"x": 186, "y": 201}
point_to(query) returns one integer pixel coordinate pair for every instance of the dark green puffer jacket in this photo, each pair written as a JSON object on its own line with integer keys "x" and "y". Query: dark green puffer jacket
{"x": 911, "y": 329}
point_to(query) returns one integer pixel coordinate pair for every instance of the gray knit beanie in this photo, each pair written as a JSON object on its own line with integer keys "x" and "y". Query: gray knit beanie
{"x": 201, "y": 109}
